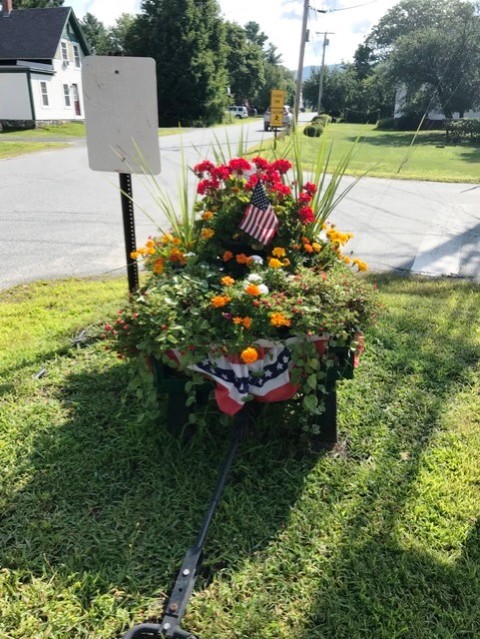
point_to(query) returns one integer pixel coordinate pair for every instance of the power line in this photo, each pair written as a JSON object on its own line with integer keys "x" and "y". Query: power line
{"x": 356, "y": 6}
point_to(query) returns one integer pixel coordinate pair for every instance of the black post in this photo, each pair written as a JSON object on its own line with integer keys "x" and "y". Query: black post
{"x": 129, "y": 229}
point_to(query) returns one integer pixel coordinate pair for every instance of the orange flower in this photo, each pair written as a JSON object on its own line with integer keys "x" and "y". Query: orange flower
{"x": 249, "y": 355}
{"x": 207, "y": 233}
{"x": 360, "y": 264}
{"x": 247, "y": 322}
{"x": 220, "y": 300}
{"x": 279, "y": 251}
{"x": 243, "y": 259}
{"x": 279, "y": 319}
{"x": 308, "y": 248}
{"x": 252, "y": 289}
{"x": 176, "y": 255}
{"x": 207, "y": 215}
{"x": 227, "y": 256}
{"x": 158, "y": 266}
{"x": 237, "y": 320}
{"x": 227, "y": 280}
{"x": 134, "y": 255}
{"x": 274, "y": 263}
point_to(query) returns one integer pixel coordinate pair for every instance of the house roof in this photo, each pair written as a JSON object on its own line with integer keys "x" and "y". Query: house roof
{"x": 34, "y": 34}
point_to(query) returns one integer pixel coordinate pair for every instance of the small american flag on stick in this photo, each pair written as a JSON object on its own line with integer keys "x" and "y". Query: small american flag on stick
{"x": 259, "y": 219}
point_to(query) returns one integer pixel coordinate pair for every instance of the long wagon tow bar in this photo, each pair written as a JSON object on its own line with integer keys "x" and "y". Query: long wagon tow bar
{"x": 169, "y": 627}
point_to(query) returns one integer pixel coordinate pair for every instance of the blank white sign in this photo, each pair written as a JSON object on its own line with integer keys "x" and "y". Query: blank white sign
{"x": 121, "y": 117}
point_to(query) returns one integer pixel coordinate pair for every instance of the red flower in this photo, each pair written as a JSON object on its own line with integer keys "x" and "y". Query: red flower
{"x": 306, "y": 215}
{"x": 220, "y": 172}
{"x": 260, "y": 163}
{"x": 304, "y": 198}
{"x": 310, "y": 188}
{"x": 205, "y": 166}
{"x": 252, "y": 182}
{"x": 282, "y": 166}
{"x": 282, "y": 189}
{"x": 239, "y": 165}
{"x": 205, "y": 185}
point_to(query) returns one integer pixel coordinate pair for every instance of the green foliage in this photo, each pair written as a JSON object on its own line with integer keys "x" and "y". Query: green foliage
{"x": 385, "y": 124}
{"x": 322, "y": 119}
{"x": 463, "y": 130}
{"x": 191, "y": 58}
{"x": 96, "y": 34}
{"x": 245, "y": 63}
{"x": 432, "y": 47}
{"x": 313, "y": 130}
{"x": 378, "y": 538}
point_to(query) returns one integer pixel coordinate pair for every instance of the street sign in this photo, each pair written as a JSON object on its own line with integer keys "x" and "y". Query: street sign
{"x": 277, "y": 100}
{"x": 121, "y": 116}
{"x": 121, "y": 120}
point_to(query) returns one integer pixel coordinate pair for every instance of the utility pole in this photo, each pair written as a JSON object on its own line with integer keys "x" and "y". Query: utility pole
{"x": 298, "y": 91}
{"x": 322, "y": 68}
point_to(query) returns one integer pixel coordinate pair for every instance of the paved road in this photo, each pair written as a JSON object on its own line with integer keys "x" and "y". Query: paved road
{"x": 58, "y": 218}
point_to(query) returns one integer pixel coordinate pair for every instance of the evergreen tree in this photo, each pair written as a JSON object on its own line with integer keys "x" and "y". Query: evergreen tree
{"x": 95, "y": 34}
{"x": 245, "y": 63}
{"x": 187, "y": 40}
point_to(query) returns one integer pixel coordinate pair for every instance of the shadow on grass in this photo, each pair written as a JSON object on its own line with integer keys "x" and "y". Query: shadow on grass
{"x": 374, "y": 585}
{"x": 112, "y": 505}
{"x": 401, "y": 139}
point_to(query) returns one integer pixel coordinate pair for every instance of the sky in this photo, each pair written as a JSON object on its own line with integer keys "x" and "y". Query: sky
{"x": 349, "y": 21}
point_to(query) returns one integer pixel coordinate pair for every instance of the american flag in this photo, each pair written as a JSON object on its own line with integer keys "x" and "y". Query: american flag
{"x": 259, "y": 219}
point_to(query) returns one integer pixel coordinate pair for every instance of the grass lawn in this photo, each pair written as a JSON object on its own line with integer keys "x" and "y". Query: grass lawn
{"x": 378, "y": 539}
{"x": 12, "y": 149}
{"x": 390, "y": 154}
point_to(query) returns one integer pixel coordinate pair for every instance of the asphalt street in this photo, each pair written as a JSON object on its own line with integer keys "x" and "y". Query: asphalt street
{"x": 59, "y": 219}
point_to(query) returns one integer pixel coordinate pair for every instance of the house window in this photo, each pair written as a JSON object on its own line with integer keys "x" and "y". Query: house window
{"x": 76, "y": 55}
{"x": 64, "y": 52}
{"x": 66, "y": 95}
{"x": 43, "y": 89}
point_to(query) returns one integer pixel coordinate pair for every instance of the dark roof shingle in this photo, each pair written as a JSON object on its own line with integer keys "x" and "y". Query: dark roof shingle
{"x": 27, "y": 34}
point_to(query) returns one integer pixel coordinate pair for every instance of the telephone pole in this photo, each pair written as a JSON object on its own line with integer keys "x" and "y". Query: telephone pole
{"x": 298, "y": 91}
{"x": 322, "y": 68}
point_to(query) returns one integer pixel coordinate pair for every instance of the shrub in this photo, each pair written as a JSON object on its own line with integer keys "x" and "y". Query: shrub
{"x": 385, "y": 124}
{"x": 463, "y": 129}
{"x": 408, "y": 122}
{"x": 313, "y": 130}
{"x": 322, "y": 119}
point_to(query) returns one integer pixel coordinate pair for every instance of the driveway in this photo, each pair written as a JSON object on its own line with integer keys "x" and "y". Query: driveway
{"x": 60, "y": 219}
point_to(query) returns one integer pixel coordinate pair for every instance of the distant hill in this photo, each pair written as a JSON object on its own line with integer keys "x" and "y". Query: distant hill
{"x": 307, "y": 71}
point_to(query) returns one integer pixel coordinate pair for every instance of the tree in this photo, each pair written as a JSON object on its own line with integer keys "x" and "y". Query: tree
{"x": 95, "y": 34}
{"x": 187, "y": 40}
{"x": 118, "y": 35}
{"x": 37, "y": 4}
{"x": 276, "y": 77}
{"x": 432, "y": 47}
{"x": 245, "y": 64}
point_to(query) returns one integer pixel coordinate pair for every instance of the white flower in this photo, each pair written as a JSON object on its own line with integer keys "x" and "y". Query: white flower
{"x": 263, "y": 288}
{"x": 256, "y": 259}
{"x": 254, "y": 277}
{"x": 322, "y": 236}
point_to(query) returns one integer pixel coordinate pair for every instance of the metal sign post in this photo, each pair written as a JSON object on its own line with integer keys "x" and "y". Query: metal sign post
{"x": 121, "y": 118}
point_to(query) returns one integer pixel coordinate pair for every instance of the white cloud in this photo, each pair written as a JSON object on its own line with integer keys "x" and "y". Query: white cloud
{"x": 281, "y": 20}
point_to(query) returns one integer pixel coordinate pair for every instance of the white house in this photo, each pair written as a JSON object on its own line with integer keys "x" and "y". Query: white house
{"x": 433, "y": 114}
{"x": 41, "y": 55}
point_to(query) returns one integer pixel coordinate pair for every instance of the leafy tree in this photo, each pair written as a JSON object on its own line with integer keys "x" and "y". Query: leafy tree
{"x": 118, "y": 35}
{"x": 432, "y": 47}
{"x": 37, "y": 4}
{"x": 276, "y": 77}
{"x": 95, "y": 34}
{"x": 245, "y": 63}
{"x": 187, "y": 40}
{"x": 252, "y": 30}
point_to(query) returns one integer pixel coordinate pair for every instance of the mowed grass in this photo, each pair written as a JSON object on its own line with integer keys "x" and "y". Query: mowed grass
{"x": 399, "y": 154}
{"x": 13, "y": 149}
{"x": 379, "y": 538}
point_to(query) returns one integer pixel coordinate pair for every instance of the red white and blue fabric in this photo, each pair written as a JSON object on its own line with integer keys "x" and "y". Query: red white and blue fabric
{"x": 259, "y": 219}
{"x": 268, "y": 379}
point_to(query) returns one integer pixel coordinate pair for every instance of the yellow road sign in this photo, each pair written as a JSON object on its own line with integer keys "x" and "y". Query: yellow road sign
{"x": 276, "y": 119}
{"x": 277, "y": 99}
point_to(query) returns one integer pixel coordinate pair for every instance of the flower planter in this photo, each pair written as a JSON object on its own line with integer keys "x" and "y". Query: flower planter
{"x": 169, "y": 381}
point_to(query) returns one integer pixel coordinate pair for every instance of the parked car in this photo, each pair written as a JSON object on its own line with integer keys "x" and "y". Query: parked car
{"x": 252, "y": 111}
{"x": 287, "y": 118}
{"x": 238, "y": 111}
